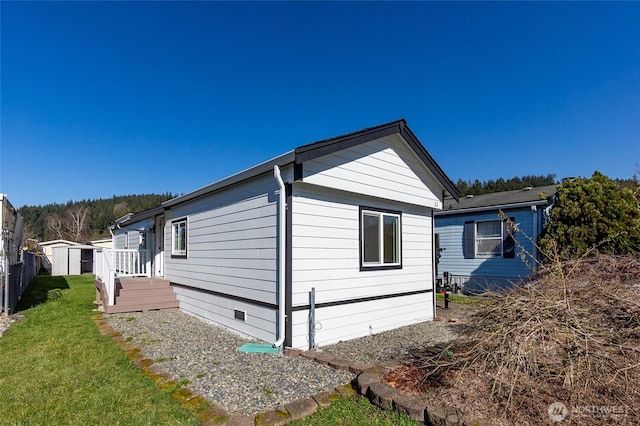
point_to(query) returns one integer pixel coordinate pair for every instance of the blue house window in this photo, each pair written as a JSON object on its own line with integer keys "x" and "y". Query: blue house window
{"x": 488, "y": 239}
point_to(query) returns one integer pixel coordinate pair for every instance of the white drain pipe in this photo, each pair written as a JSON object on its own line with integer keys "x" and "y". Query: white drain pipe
{"x": 281, "y": 255}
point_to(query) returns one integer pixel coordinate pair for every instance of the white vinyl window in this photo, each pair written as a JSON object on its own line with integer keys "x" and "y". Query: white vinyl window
{"x": 179, "y": 238}
{"x": 380, "y": 234}
{"x": 489, "y": 238}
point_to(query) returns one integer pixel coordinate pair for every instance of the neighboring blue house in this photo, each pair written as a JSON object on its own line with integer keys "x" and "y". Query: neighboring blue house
{"x": 475, "y": 247}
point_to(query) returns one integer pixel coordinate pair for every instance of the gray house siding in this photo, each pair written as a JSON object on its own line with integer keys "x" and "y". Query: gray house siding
{"x": 326, "y": 248}
{"x": 231, "y": 261}
{"x": 259, "y": 321}
{"x": 326, "y": 253}
{"x": 128, "y": 236}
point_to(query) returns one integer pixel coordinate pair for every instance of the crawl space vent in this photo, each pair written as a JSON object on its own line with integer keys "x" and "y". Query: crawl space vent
{"x": 239, "y": 315}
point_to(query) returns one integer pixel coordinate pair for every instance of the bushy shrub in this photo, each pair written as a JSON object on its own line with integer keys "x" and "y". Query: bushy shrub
{"x": 592, "y": 215}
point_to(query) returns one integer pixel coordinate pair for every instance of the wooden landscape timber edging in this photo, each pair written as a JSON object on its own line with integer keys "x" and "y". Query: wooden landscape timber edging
{"x": 370, "y": 383}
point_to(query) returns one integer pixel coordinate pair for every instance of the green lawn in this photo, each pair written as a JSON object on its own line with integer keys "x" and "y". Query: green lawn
{"x": 457, "y": 298}
{"x": 355, "y": 412}
{"x": 56, "y": 368}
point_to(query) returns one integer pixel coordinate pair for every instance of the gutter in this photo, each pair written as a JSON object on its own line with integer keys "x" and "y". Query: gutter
{"x": 281, "y": 256}
{"x": 448, "y": 212}
{"x": 261, "y": 168}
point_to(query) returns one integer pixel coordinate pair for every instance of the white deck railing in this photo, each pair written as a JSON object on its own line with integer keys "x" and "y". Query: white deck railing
{"x": 111, "y": 264}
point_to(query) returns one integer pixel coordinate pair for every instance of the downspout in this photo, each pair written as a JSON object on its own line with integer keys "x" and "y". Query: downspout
{"x": 282, "y": 211}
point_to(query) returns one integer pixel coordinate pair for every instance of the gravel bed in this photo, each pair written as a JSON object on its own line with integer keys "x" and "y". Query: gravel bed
{"x": 206, "y": 355}
{"x": 393, "y": 343}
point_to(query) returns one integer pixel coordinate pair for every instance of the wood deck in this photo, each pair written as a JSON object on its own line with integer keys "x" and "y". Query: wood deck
{"x": 134, "y": 294}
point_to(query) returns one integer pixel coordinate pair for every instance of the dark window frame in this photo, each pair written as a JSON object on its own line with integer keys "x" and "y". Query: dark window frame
{"x": 381, "y": 265}
{"x": 470, "y": 241}
{"x": 174, "y": 224}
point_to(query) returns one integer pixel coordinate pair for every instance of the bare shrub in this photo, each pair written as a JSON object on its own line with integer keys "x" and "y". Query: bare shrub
{"x": 571, "y": 335}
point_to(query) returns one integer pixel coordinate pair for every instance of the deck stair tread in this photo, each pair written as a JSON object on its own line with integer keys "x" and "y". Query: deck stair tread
{"x": 142, "y": 294}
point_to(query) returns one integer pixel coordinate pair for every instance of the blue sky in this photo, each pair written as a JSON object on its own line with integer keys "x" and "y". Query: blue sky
{"x": 102, "y": 99}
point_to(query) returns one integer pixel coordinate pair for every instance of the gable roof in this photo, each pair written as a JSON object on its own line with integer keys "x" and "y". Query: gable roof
{"x": 316, "y": 149}
{"x": 500, "y": 200}
{"x": 101, "y": 240}
{"x": 58, "y": 241}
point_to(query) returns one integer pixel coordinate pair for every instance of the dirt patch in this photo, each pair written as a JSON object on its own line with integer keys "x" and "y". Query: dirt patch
{"x": 566, "y": 347}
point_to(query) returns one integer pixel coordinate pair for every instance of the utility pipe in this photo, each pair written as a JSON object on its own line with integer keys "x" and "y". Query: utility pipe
{"x": 281, "y": 255}
{"x": 434, "y": 276}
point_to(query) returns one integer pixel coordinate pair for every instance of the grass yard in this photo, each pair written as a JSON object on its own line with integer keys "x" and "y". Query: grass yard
{"x": 457, "y": 298}
{"x": 355, "y": 412}
{"x": 57, "y": 368}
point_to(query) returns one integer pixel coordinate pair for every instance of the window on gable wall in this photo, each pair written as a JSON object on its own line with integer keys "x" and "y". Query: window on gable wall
{"x": 487, "y": 239}
{"x": 380, "y": 239}
{"x": 179, "y": 238}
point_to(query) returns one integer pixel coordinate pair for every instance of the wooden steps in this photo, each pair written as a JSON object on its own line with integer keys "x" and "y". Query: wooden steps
{"x": 142, "y": 294}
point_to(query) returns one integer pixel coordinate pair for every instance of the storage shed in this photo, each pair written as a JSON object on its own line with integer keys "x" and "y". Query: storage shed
{"x": 72, "y": 260}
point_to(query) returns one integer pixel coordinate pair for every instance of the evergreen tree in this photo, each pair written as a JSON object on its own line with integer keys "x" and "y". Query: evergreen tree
{"x": 594, "y": 214}
{"x": 500, "y": 185}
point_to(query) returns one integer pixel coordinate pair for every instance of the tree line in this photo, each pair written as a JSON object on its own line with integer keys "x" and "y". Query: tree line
{"x": 476, "y": 187}
{"x": 84, "y": 220}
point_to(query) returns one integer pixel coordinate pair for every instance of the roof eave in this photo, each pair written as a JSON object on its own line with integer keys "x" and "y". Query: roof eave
{"x": 328, "y": 146}
{"x": 259, "y": 169}
{"x": 448, "y": 184}
{"x": 488, "y": 208}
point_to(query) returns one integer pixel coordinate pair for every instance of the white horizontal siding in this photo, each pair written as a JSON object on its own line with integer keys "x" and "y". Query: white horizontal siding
{"x": 260, "y": 321}
{"x": 232, "y": 240}
{"x": 345, "y": 322}
{"x": 326, "y": 254}
{"x": 451, "y": 229}
{"x": 385, "y": 168}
